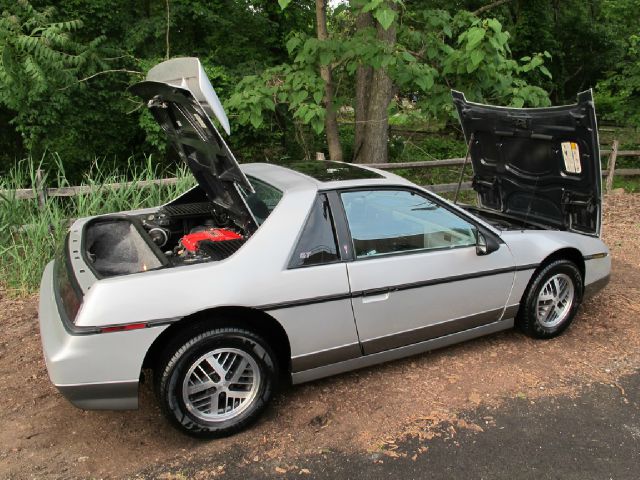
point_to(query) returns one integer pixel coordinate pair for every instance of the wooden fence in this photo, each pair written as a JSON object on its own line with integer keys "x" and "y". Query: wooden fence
{"x": 38, "y": 191}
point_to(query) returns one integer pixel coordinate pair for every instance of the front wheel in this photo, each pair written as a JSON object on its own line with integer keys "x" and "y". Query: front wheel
{"x": 551, "y": 300}
{"x": 215, "y": 382}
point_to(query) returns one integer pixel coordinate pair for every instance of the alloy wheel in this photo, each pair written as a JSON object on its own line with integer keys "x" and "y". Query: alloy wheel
{"x": 221, "y": 384}
{"x": 555, "y": 300}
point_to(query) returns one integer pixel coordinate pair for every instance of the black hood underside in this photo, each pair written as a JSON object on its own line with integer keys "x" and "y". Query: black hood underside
{"x": 538, "y": 164}
{"x": 200, "y": 145}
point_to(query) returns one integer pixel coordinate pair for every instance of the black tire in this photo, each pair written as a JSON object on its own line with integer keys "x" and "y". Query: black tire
{"x": 186, "y": 351}
{"x": 528, "y": 319}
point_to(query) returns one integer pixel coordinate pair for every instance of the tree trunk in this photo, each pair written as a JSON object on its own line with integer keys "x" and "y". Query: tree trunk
{"x": 377, "y": 92}
{"x": 330, "y": 119}
{"x": 364, "y": 75}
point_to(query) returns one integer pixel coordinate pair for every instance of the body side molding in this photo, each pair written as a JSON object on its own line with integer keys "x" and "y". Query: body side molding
{"x": 397, "y": 353}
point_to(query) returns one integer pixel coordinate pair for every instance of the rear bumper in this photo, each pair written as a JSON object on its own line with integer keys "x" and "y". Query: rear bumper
{"x": 102, "y": 396}
{"x": 92, "y": 370}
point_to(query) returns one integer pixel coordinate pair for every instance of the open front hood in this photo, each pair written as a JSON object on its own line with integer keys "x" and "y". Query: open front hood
{"x": 537, "y": 164}
{"x": 179, "y": 95}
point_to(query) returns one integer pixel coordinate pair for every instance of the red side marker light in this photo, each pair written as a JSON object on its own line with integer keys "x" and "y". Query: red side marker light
{"x": 122, "y": 328}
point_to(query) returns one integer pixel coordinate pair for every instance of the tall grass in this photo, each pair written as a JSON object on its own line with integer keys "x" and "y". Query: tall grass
{"x": 30, "y": 235}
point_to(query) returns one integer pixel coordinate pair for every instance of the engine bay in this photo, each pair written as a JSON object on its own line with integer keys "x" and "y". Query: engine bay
{"x": 193, "y": 232}
{"x": 174, "y": 235}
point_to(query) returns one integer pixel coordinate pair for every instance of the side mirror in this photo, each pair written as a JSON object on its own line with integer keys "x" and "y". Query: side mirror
{"x": 486, "y": 244}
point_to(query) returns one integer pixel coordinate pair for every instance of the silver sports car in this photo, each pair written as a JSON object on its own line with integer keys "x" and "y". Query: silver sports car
{"x": 262, "y": 273}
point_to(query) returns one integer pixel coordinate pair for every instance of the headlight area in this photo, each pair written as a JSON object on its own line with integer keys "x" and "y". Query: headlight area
{"x": 597, "y": 273}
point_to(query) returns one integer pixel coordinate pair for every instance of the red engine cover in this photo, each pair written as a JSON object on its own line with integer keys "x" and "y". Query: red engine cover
{"x": 191, "y": 241}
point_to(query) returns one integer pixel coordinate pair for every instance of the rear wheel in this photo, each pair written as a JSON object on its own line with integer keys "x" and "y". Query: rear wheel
{"x": 215, "y": 382}
{"x": 551, "y": 300}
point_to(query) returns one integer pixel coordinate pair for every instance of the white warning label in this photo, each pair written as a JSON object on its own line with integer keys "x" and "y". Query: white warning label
{"x": 571, "y": 155}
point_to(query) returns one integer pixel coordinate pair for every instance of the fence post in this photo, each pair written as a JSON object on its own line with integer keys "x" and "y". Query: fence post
{"x": 611, "y": 166}
{"x": 41, "y": 191}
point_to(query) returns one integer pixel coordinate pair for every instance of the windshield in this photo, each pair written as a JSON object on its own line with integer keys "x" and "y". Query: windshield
{"x": 263, "y": 200}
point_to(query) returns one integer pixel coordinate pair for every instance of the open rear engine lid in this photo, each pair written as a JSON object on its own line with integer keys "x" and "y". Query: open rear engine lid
{"x": 537, "y": 164}
{"x": 180, "y": 97}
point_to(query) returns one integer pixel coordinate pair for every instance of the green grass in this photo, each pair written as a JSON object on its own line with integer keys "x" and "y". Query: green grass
{"x": 630, "y": 184}
{"x": 30, "y": 235}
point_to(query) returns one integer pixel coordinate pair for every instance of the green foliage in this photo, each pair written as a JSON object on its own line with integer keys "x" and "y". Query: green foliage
{"x": 618, "y": 96}
{"x": 577, "y": 34}
{"x": 435, "y": 51}
{"x": 472, "y": 55}
{"x": 297, "y": 87}
{"x": 40, "y": 60}
{"x": 115, "y": 47}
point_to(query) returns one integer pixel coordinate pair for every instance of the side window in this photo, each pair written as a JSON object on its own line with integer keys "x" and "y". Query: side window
{"x": 391, "y": 221}
{"x": 317, "y": 245}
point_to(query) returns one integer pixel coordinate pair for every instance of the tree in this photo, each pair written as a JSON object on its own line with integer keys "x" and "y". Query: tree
{"x": 331, "y": 118}
{"x": 423, "y": 52}
{"x": 374, "y": 88}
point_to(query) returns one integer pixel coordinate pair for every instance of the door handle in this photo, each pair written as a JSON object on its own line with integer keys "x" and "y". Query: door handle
{"x": 378, "y": 296}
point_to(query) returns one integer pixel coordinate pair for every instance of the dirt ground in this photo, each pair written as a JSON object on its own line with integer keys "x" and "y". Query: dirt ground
{"x": 43, "y": 436}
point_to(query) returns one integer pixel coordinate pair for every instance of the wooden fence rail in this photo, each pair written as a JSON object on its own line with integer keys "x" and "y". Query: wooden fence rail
{"x": 41, "y": 193}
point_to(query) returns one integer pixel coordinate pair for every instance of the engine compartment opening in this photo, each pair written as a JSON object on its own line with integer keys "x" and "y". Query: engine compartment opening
{"x": 174, "y": 235}
{"x": 190, "y": 229}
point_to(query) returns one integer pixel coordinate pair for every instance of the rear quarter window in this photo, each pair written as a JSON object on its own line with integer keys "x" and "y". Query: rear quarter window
{"x": 317, "y": 244}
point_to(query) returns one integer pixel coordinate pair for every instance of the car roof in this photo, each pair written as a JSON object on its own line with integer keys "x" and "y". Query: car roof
{"x": 321, "y": 175}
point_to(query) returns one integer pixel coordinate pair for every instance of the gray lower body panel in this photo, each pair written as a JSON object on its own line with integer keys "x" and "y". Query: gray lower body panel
{"x": 102, "y": 396}
{"x": 396, "y": 340}
{"x": 324, "y": 357}
{"x": 396, "y": 353}
{"x": 595, "y": 287}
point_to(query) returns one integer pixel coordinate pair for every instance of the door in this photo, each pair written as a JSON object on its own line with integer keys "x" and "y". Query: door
{"x": 416, "y": 274}
{"x": 319, "y": 320}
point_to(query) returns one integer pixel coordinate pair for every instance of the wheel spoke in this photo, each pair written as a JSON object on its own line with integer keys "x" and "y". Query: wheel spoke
{"x": 214, "y": 403}
{"x": 238, "y": 394}
{"x": 546, "y": 296}
{"x": 559, "y": 311}
{"x": 213, "y": 362}
{"x": 200, "y": 387}
{"x": 239, "y": 370}
{"x": 549, "y": 314}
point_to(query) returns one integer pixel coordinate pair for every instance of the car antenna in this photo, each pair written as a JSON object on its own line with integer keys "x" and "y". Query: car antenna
{"x": 464, "y": 164}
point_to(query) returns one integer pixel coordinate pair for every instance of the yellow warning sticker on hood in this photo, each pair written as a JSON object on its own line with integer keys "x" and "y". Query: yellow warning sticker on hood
{"x": 571, "y": 155}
